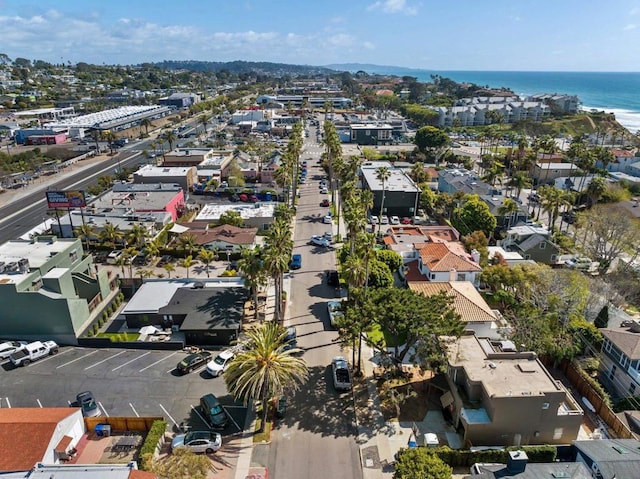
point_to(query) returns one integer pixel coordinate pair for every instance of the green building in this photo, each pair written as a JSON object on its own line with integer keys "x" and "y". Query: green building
{"x": 50, "y": 290}
{"x": 371, "y": 134}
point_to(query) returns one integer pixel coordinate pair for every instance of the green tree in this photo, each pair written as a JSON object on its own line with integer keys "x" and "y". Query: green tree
{"x": 146, "y": 123}
{"x": 251, "y": 268}
{"x": 206, "y": 257}
{"x": 420, "y": 463}
{"x": 508, "y": 210}
{"x": 187, "y": 263}
{"x": 478, "y": 241}
{"x": 382, "y": 175}
{"x": 433, "y": 141}
{"x": 380, "y": 275}
{"x": 474, "y": 215}
{"x": 602, "y": 320}
{"x": 264, "y": 370}
{"x": 85, "y": 232}
{"x": 231, "y": 217}
{"x": 188, "y": 242}
{"x": 169, "y": 268}
{"x": 418, "y": 174}
{"x": 111, "y": 233}
{"x": 392, "y": 259}
{"x": 182, "y": 463}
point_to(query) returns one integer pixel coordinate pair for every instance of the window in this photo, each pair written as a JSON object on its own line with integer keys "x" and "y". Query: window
{"x": 367, "y": 132}
{"x": 612, "y": 373}
{"x": 461, "y": 277}
{"x": 543, "y": 245}
{"x": 557, "y": 433}
{"x": 632, "y": 388}
{"x": 73, "y": 255}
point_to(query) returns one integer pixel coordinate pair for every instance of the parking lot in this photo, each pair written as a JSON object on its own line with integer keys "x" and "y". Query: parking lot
{"x": 124, "y": 383}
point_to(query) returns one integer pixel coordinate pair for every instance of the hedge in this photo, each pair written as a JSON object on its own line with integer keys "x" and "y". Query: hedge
{"x": 148, "y": 448}
{"x": 593, "y": 383}
{"x": 466, "y": 458}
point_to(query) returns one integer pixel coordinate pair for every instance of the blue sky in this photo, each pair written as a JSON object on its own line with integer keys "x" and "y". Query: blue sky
{"x": 542, "y": 35}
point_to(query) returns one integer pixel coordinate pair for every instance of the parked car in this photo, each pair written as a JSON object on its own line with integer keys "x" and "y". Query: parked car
{"x": 325, "y": 202}
{"x": 333, "y": 279}
{"x": 373, "y": 219}
{"x": 219, "y": 364}
{"x": 88, "y": 404}
{"x": 32, "y": 352}
{"x": 341, "y": 374}
{"x": 317, "y": 240}
{"x": 193, "y": 361}
{"x": 291, "y": 339}
{"x": 296, "y": 261}
{"x": 394, "y": 220}
{"x": 100, "y": 257}
{"x": 9, "y": 347}
{"x": 328, "y": 235}
{"x": 324, "y": 191}
{"x": 384, "y": 219}
{"x": 405, "y": 221}
{"x": 198, "y": 441}
{"x": 166, "y": 259}
{"x": 335, "y": 311}
{"x": 327, "y": 220}
{"x": 281, "y": 407}
{"x": 213, "y": 412}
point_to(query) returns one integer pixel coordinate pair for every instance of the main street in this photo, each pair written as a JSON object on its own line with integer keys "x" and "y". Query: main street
{"x": 317, "y": 438}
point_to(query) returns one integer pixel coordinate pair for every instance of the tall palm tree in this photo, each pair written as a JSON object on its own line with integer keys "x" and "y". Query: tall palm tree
{"x": 204, "y": 120}
{"x": 85, "y": 232}
{"x": 169, "y": 268}
{"x": 187, "y": 263}
{"x": 170, "y": 138}
{"x": 265, "y": 370}
{"x": 187, "y": 242}
{"x": 145, "y": 123}
{"x": 206, "y": 257}
{"x": 508, "y": 210}
{"x": 382, "y": 175}
{"x": 277, "y": 256}
{"x": 519, "y": 181}
{"x": 251, "y": 267}
{"x": 596, "y": 189}
{"x": 137, "y": 235}
{"x": 111, "y": 233}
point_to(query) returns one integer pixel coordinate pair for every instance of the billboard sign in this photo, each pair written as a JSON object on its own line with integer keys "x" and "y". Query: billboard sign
{"x": 66, "y": 199}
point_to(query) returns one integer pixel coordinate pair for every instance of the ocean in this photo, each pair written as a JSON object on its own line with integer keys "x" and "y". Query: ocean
{"x": 617, "y": 93}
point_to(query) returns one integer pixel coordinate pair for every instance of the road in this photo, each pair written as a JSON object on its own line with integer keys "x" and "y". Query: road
{"x": 316, "y": 439}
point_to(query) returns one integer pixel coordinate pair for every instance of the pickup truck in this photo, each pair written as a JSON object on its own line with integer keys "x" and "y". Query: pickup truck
{"x": 32, "y": 352}
{"x": 341, "y": 374}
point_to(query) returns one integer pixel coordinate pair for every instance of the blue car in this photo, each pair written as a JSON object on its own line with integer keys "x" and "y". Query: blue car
{"x": 296, "y": 261}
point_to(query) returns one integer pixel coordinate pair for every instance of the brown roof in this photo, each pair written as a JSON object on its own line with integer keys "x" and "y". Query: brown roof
{"x": 438, "y": 257}
{"x": 412, "y": 272}
{"x": 227, "y": 233}
{"x": 618, "y": 153}
{"x": 25, "y": 434}
{"x": 625, "y": 341}
{"x": 138, "y": 474}
{"x": 433, "y": 173}
{"x": 467, "y": 302}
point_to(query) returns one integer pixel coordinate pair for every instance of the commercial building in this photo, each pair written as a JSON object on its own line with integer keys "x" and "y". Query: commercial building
{"x": 502, "y": 397}
{"x": 221, "y": 238}
{"x": 185, "y": 176}
{"x": 115, "y": 119}
{"x": 545, "y": 173}
{"x": 557, "y": 102}
{"x": 401, "y": 194}
{"x": 180, "y": 100}
{"x": 50, "y": 290}
{"x": 371, "y": 134}
{"x": 297, "y": 101}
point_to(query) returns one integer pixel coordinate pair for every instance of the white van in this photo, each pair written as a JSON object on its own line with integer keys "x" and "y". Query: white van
{"x": 114, "y": 256}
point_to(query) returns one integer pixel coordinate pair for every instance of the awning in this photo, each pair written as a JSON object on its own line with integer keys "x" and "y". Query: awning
{"x": 63, "y": 445}
{"x": 446, "y": 399}
{"x": 176, "y": 228}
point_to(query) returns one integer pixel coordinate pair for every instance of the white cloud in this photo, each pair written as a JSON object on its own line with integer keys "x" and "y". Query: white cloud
{"x": 393, "y": 6}
{"x": 368, "y": 45}
{"x": 630, "y": 26}
{"x": 634, "y": 11}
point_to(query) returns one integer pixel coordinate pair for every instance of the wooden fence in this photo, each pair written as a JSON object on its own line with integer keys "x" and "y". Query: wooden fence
{"x": 133, "y": 424}
{"x": 616, "y": 427}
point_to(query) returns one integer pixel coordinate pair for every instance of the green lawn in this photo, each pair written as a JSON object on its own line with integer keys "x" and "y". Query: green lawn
{"x": 376, "y": 334}
{"x": 119, "y": 337}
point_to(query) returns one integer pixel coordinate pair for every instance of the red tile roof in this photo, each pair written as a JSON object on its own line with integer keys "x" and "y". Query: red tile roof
{"x": 412, "y": 272}
{"x": 618, "y": 153}
{"x": 25, "y": 434}
{"x": 438, "y": 257}
{"x": 137, "y": 474}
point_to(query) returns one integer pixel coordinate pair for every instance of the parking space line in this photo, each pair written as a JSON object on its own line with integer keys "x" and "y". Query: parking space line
{"x": 76, "y": 359}
{"x": 129, "y": 362}
{"x": 159, "y": 361}
{"x": 134, "y": 410}
{"x": 169, "y": 415}
{"x": 39, "y": 403}
{"x": 103, "y": 409}
{"x": 199, "y": 415}
{"x": 8, "y": 403}
{"x": 104, "y": 360}
{"x": 32, "y": 365}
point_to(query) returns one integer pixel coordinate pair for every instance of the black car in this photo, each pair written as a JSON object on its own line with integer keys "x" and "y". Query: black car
{"x": 193, "y": 361}
{"x": 291, "y": 340}
{"x": 333, "y": 279}
{"x": 166, "y": 259}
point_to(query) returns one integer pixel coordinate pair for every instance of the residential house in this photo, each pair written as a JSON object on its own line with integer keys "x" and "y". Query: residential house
{"x": 51, "y": 275}
{"x": 532, "y": 242}
{"x": 401, "y": 194}
{"x": 223, "y": 237}
{"x": 207, "y": 312}
{"x": 620, "y": 359}
{"x": 503, "y": 397}
{"x": 448, "y": 262}
{"x": 249, "y": 166}
{"x": 578, "y": 184}
{"x": 495, "y": 203}
{"x": 621, "y": 163}
{"x": 609, "y": 458}
{"x": 269, "y": 169}
{"x": 461, "y": 180}
{"x": 403, "y": 238}
{"x": 518, "y": 467}
{"x": 86, "y": 471}
{"x": 546, "y": 172}
{"x": 29, "y": 436}
{"x": 512, "y": 258}
{"x": 474, "y": 311}
{"x": 558, "y": 103}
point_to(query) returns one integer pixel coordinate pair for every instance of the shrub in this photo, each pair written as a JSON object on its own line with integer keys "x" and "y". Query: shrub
{"x": 148, "y": 448}
{"x": 593, "y": 383}
{"x": 466, "y": 458}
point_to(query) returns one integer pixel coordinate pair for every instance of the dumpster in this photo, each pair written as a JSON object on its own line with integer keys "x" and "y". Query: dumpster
{"x": 102, "y": 430}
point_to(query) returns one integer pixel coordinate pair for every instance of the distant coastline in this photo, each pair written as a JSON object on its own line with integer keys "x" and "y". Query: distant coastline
{"x": 616, "y": 92}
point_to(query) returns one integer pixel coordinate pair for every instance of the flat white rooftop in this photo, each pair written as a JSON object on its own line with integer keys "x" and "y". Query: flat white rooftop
{"x": 256, "y": 210}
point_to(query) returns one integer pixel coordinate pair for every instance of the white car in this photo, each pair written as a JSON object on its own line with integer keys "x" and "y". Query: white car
{"x": 198, "y": 441}
{"x": 384, "y": 219}
{"x": 324, "y": 191}
{"x": 328, "y": 235}
{"x": 9, "y": 347}
{"x": 327, "y": 220}
{"x": 220, "y": 363}
{"x": 319, "y": 241}
{"x": 373, "y": 220}
{"x": 394, "y": 220}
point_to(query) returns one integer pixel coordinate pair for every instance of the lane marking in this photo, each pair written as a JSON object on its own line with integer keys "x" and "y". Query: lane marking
{"x": 104, "y": 360}
{"x": 39, "y": 403}
{"x": 134, "y": 410}
{"x": 159, "y": 361}
{"x": 233, "y": 420}
{"x": 199, "y": 415}
{"x": 169, "y": 415}
{"x": 8, "y": 403}
{"x": 129, "y": 362}
{"x": 103, "y": 409}
{"x": 76, "y": 359}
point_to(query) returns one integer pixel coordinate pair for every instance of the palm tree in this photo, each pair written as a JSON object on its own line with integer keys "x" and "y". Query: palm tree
{"x": 264, "y": 370}
{"x": 251, "y": 267}
{"x": 382, "y": 175}
{"x": 85, "y": 232}
{"x": 169, "y": 268}
{"x": 204, "y": 120}
{"x": 277, "y": 256}
{"x": 519, "y": 181}
{"x": 187, "y": 263}
{"x": 137, "y": 235}
{"x": 596, "y": 189}
{"x": 111, "y": 233}
{"x": 127, "y": 255}
{"x": 145, "y": 123}
{"x": 170, "y": 137}
{"x": 508, "y": 210}
{"x": 206, "y": 257}
{"x": 153, "y": 250}
{"x": 187, "y": 242}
